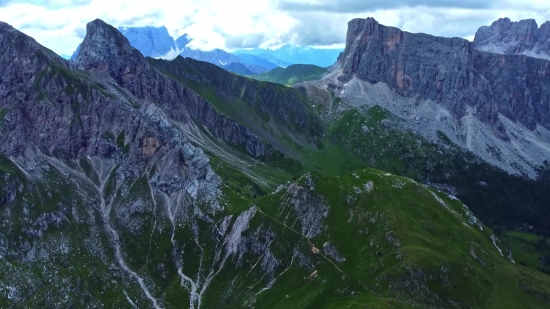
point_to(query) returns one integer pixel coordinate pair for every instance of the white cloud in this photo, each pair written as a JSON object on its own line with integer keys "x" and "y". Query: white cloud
{"x": 60, "y": 24}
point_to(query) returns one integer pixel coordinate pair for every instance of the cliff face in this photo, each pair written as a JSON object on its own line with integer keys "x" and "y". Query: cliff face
{"x": 150, "y": 41}
{"x": 451, "y": 72}
{"x": 273, "y": 111}
{"x": 130, "y": 70}
{"x": 523, "y": 37}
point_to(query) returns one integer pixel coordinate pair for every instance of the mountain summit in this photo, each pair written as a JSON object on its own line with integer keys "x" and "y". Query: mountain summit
{"x": 492, "y": 104}
{"x": 522, "y": 37}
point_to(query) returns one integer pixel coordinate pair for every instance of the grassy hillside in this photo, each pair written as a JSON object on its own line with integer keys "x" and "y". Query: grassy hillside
{"x": 363, "y": 239}
{"x": 292, "y": 74}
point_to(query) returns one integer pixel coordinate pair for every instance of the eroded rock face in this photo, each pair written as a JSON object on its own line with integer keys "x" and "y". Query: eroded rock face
{"x": 102, "y": 50}
{"x": 451, "y": 72}
{"x": 522, "y": 37}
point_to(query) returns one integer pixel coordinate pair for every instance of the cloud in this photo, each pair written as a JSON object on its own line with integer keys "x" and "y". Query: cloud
{"x": 60, "y": 24}
{"x": 353, "y": 6}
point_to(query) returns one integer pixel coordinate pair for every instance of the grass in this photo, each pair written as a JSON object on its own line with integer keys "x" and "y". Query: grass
{"x": 3, "y": 113}
{"x": 526, "y": 248}
{"x": 292, "y": 74}
{"x": 277, "y": 114}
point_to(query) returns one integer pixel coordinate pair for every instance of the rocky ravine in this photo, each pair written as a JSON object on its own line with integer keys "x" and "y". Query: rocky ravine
{"x": 496, "y": 105}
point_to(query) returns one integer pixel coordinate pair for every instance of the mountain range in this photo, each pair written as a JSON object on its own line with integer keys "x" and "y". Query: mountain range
{"x": 522, "y": 37}
{"x": 412, "y": 173}
{"x": 156, "y": 42}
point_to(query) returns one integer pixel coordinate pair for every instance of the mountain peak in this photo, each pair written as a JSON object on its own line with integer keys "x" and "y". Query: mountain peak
{"x": 105, "y": 48}
{"x": 509, "y": 37}
{"x": 17, "y": 45}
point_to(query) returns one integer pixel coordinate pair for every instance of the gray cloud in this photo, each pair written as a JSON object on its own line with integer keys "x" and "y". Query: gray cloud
{"x": 241, "y": 40}
{"x": 316, "y": 30}
{"x": 56, "y": 5}
{"x": 355, "y": 6}
{"x": 143, "y": 20}
{"x": 244, "y": 41}
{"x": 80, "y": 32}
{"x": 44, "y": 27}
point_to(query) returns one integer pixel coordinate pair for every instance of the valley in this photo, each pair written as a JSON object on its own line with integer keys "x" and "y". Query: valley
{"x": 128, "y": 181}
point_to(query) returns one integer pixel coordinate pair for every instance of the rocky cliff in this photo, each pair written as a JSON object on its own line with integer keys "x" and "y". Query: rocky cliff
{"x": 148, "y": 85}
{"x": 450, "y": 71}
{"x": 275, "y": 113}
{"x": 150, "y": 41}
{"x": 496, "y": 105}
{"x": 523, "y": 37}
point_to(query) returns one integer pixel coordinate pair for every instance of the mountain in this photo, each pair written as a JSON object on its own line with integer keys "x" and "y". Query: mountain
{"x": 273, "y": 59}
{"x": 157, "y": 43}
{"x": 293, "y": 74}
{"x": 297, "y": 55}
{"x": 182, "y": 41}
{"x": 255, "y": 60}
{"x": 523, "y": 37}
{"x": 218, "y": 57}
{"x": 238, "y": 68}
{"x": 134, "y": 182}
{"x": 150, "y": 41}
{"x": 480, "y": 100}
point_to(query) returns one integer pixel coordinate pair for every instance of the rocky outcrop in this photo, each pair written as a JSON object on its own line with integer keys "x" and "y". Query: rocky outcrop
{"x": 450, "y": 72}
{"x": 145, "y": 83}
{"x": 250, "y": 100}
{"x": 523, "y": 37}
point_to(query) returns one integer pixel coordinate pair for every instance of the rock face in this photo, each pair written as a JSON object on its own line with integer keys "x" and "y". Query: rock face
{"x": 275, "y": 104}
{"x": 150, "y": 41}
{"x": 146, "y": 84}
{"x": 523, "y": 37}
{"x": 451, "y": 72}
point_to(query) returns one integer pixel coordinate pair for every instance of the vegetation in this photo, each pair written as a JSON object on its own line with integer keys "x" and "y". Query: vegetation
{"x": 498, "y": 198}
{"x": 292, "y": 74}
{"x": 357, "y": 214}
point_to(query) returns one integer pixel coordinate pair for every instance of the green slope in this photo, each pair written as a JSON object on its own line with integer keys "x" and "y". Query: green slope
{"x": 292, "y": 74}
{"x": 277, "y": 114}
{"x": 384, "y": 241}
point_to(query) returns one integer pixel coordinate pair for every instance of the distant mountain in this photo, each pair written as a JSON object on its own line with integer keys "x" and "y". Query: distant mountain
{"x": 156, "y": 42}
{"x": 150, "y": 41}
{"x": 269, "y": 57}
{"x": 255, "y": 60}
{"x": 293, "y": 74}
{"x": 182, "y": 41}
{"x": 238, "y": 68}
{"x": 298, "y": 55}
{"x": 522, "y": 37}
{"x": 218, "y": 57}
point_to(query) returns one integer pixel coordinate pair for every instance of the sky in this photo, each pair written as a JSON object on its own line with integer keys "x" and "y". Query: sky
{"x": 232, "y": 24}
